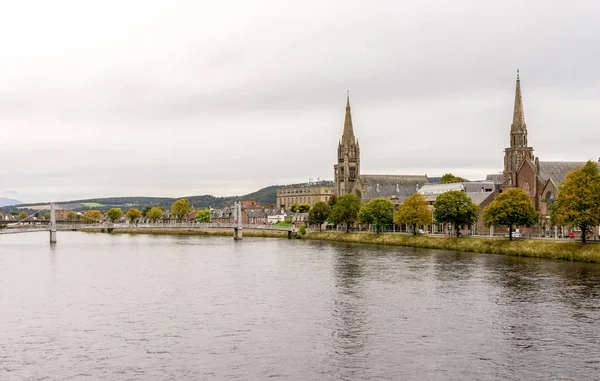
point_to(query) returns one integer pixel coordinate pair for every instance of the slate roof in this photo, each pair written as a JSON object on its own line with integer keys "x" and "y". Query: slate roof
{"x": 479, "y": 197}
{"x": 255, "y": 213}
{"x": 557, "y": 170}
{"x": 475, "y": 186}
{"x": 386, "y": 186}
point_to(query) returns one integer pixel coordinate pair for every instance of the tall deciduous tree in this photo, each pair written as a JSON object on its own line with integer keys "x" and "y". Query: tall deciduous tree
{"x": 450, "y": 178}
{"x": 377, "y": 212}
{"x": 414, "y": 212}
{"x": 181, "y": 208}
{"x": 114, "y": 214}
{"x": 145, "y": 210}
{"x": 23, "y": 215}
{"x": 578, "y": 201}
{"x": 456, "y": 208}
{"x": 203, "y": 215}
{"x": 511, "y": 208}
{"x": 133, "y": 214}
{"x": 92, "y": 216}
{"x": 154, "y": 213}
{"x": 72, "y": 215}
{"x": 345, "y": 210}
{"x": 319, "y": 214}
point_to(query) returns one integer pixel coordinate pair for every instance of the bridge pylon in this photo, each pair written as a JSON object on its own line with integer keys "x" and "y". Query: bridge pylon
{"x": 52, "y": 223}
{"x": 237, "y": 218}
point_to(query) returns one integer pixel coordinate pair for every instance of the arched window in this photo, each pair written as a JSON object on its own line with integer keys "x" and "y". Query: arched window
{"x": 527, "y": 188}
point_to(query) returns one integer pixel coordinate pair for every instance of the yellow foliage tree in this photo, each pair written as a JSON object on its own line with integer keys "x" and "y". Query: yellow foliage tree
{"x": 414, "y": 212}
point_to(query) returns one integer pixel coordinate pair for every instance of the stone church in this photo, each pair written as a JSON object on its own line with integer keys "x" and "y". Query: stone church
{"x": 539, "y": 179}
{"x": 348, "y": 179}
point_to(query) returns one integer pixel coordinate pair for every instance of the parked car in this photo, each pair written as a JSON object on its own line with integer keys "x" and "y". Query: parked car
{"x": 420, "y": 231}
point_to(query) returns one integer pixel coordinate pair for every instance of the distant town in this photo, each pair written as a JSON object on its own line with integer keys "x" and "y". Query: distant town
{"x": 292, "y": 204}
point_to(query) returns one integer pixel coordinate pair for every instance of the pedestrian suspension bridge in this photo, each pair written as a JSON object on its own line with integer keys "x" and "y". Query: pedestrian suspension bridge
{"x": 53, "y": 227}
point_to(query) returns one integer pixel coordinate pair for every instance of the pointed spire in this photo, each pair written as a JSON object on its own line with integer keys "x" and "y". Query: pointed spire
{"x": 348, "y": 135}
{"x": 518, "y": 115}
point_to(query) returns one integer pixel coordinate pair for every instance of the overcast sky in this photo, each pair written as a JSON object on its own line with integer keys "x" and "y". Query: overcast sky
{"x": 174, "y": 98}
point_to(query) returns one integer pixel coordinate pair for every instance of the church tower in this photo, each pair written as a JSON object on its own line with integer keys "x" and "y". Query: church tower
{"x": 347, "y": 169}
{"x": 518, "y": 150}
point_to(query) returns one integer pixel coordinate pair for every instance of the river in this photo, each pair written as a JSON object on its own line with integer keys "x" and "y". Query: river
{"x": 122, "y": 307}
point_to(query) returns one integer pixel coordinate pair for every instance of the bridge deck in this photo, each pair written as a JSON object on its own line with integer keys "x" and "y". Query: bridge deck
{"x": 12, "y": 229}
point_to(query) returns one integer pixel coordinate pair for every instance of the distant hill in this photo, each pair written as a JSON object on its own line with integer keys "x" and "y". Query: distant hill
{"x": 8, "y": 201}
{"x": 264, "y": 196}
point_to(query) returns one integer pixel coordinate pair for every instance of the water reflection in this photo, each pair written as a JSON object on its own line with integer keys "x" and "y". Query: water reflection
{"x": 348, "y": 313}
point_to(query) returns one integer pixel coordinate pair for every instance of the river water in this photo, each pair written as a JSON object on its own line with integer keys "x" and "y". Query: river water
{"x": 121, "y": 307}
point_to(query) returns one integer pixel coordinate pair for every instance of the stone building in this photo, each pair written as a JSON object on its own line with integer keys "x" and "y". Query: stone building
{"x": 348, "y": 179}
{"x": 310, "y": 193}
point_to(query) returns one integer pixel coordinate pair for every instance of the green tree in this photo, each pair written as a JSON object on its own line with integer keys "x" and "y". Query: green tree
{"x": 145, "y": 210}
{"x": 456, "y": 208}
{"x": 414, "y": 212}
{"x": 332, "y": 200}
{"x": 92, "y": 216}
{"x": 72, "y": 216}
{"x": 302, "y": 229}
{"x": 301, "y": 207}
{"x": 23, "y": 215}
{"x": 378, "y": 212}
{"x": 133, "y": 214}
{"x": 345, "y": 210}
{"x": 47, "y": 216}
{"x": 181, "y": 208}
{"x": 511, "y": 208}
{"x": 450, "y": 178}
{"x": 114, "y": 214}
{"x": 203, "y": 215}
{"x": 319, "y": 214}
{"x": 578, "y": 201}
{"x": 154, "y": 214}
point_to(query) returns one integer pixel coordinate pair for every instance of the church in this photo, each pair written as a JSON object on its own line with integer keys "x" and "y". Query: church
{"x": 348, "y": 179}
{"x": 539, "y": 179}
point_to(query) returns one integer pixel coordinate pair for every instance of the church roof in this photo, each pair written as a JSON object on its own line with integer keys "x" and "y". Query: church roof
{"x": 386, "y": 186}
{"x": 557, "y": 170}
{"x": 435, "y": 189}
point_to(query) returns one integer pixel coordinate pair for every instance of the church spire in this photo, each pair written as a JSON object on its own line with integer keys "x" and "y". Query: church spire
{"x": 348, "y": 135}
{"x": 518, "y": 124}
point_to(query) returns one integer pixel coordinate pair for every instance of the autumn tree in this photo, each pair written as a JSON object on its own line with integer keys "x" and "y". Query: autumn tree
{"x": 114, "y": 214}
{"x": 345, "y": 210}
{"x": 203, "y": 215}
{"x": 450, "y": 178}
{"x": 456, "y": 208}
{"x": 319, "y": 214}
{"x": 72, "y": 216}
{"x": 578, "y": 201}
{"x": 511, "y": 208}
{"x": 414, "y": 212}
{"x": 92, "y": 216}
{"x": 154, "y": 213}
{"x": 47, "y": 216}
{"x": 332, "y": 200}
{"x": 181, "y": 208}
{"x": 23, "y": 215}
{"x": 301, "y": 207}
{"x": 133, "y": 214}
{"x": 378, "y": 212}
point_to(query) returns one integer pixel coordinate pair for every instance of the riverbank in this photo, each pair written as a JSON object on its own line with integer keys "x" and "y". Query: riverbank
{"x": 570, "y": 251}
{"x": 194, "y": 231}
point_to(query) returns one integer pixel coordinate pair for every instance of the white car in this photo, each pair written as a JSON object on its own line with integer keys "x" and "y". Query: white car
{"x": 515, "y": 234}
